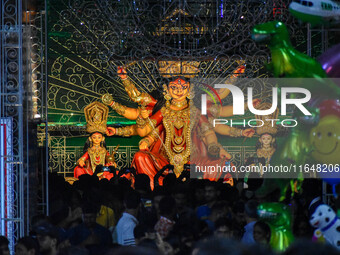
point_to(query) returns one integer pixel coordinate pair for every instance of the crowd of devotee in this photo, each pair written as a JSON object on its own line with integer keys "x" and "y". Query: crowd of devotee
{"x": 197, "y": 217}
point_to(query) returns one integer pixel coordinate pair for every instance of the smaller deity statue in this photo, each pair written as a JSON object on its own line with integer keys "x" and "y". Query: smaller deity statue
{"x": 95, "y": 152}
{"x": 266, "y": 144}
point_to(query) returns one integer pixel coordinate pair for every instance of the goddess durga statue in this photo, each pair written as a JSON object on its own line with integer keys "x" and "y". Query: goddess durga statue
{"x": 177, "y": 133}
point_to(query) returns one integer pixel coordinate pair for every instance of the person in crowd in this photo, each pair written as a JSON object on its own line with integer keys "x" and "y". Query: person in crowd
{"x": 27, "y": 246}
{"x": 196, "y": 189}
{"x": 250, "y": 210}
{"x": 142, "y": 185}
{"x": 180, "y": 194}
{"x": 48, "y": 238}
{"x": 261, "y": 233}
{"x": 238, "y": 216}
{"x": 167, "y": 209}
{"x": 90, "y": 233}
{"x": 4, "y": 250}
{"x": 211, "y": 194}
{"x": 38, "y": 220}
{"x": 157, "y": 194}
{"x": 219, "y": 210}
{"x": 147, "y": 212}
{"x": 128, "y": 221}
{"x": 224, "y": 228}
{"x": 302, "y": 228}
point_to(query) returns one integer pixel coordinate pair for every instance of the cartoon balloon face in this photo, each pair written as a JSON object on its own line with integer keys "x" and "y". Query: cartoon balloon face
{"x": 325, "y": 138}
{"x": 322, "y": 216}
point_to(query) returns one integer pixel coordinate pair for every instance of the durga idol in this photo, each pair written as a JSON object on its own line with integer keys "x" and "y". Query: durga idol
{"x": 174, "y": 133}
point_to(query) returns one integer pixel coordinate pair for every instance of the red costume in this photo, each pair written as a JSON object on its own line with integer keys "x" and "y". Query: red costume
{"x": 92, "y": 160}
{"x": 179, "y": 141}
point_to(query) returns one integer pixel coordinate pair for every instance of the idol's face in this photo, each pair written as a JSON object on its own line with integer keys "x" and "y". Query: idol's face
{"x": 266, "y": 140}
{"x": 97, "y": 138}
{"x": 179, "y": 89}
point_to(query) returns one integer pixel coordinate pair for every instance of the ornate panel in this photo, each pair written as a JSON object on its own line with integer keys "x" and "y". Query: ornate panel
{"x": 89, "y": 39}
{"x": 63, "y": 158}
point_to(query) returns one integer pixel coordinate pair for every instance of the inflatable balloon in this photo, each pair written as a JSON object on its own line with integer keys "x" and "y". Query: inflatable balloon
{"x": 279, "y": 218}
{"x": 316, "y": 12}
{"x": 307, "y": 121}
{"x": 287, "y": 62}
{"x": 325, "y": 137}
{"x": 325, "y": 219}
{"x": 296, "y": 148}
{"x": 330, "y": 61}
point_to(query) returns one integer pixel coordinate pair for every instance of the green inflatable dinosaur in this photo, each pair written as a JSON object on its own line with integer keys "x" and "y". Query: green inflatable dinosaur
{"x": 296, "y": 148}
{"x": 279, "y": 218}
{"x": 288, "y": 62}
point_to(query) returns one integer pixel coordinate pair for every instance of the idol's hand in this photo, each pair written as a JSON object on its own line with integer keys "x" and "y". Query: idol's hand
{"x": 81, "y": 162}
{"x": 240, "y": 70}
{"x": 256, "y": 102}
{"x": 121, "y": 72}
{"x": 107, "y": 99}
{"x": 248, "y": 132}
{"x": 144, "y": 113}
{"x": 224, "y": 154}
{"x": 143, "y": 146}
{"x": 110, "y": 131}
